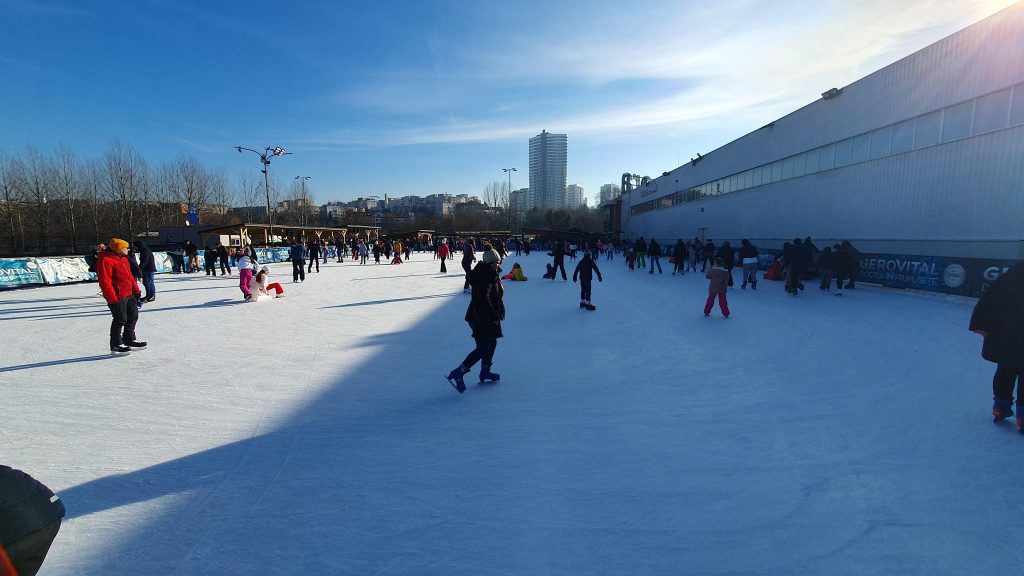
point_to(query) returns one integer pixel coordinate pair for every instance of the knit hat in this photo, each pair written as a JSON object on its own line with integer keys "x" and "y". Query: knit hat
{"x": 116, "y": 244}
{"x": 490, "y": 256}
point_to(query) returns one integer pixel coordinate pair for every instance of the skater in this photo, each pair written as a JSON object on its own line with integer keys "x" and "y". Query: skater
{"x": 222, "y": 255}
{"x": 209, "y": 260}
{"x": 485, "y": 312}
{"x": 825, "y": 267}
{"x": 852, "y": 256}
{"x": 313, "y": 251}
{"x": 748, "y": 258}
{"x": 245, "y": 268}
{"x": 558, "y": 252}
{"x": 442, "y": 253}
{"x": 516, "y": 274}
{"x": 999, "y": 318}
{"x": 718, "y": 285}
{"x": 121, "y": 293}
{"x": 694, "y": 254}
{"x": 260, "y": 287}
{"x": 30, "y": 516}
{"x": 147, "y": 267}
{"x": 585, "y": 272}
{"x": 364, "y": 252}
{"x": 728, "y": 255}
{"x": 708, "y": 255}
{"x": 298, "y": 257}
{"x": 640, "y": 253}
{"x": 192, "y": 252}
{"x": 468, "y": 257}
{"x": 679, "y": 257}
{"x": 654, "y": 251}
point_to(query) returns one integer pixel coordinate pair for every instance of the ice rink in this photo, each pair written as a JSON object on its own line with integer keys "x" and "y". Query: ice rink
{"x": 316, "y": 433}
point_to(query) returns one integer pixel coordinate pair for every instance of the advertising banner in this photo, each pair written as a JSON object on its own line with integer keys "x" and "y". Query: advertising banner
{"x": 16, "y": 272}
{"x": 163, "y": 262}
{"x": 64, "y": 270}
{"x": 962, "y": 276}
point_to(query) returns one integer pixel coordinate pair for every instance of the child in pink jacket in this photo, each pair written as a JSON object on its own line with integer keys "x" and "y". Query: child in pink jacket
{"x": 719, "y": 277}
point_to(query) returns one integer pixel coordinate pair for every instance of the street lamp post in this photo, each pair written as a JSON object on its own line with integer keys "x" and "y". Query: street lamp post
{"x": 303, "y": 198}
{"x": 508, "y": 171}
{"x": 265, "y": 159}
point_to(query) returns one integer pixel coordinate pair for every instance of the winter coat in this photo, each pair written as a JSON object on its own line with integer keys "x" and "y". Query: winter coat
{"x": 727, "y": 255}
{"x": 115, "y": 276}
{"x": 146, "y": 261}
{"x": 748, "y": 254}
{"x": 222, "y": 253}
{"x": 585, "y": 269}
{"x": 26, "y": 506}
{"x": 1000, "y": 314}
{"x": 486, "y": 308}
{"x": 719, "y": 280}
{"x": 297, "y": 253}
{"x": 558, "y": 252}
{"x": 654, "y": 249}
{"x": 640, "y": 247}
{"x": 244, "y": 262}
{"x": 442, "y": 251}
{"x": 679, "y": 252}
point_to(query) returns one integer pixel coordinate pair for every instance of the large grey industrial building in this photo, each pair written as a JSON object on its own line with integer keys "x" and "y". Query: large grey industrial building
{"x": 924, "y": 157}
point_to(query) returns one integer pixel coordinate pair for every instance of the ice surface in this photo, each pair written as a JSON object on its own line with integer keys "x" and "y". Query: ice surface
{"x": 316, "y": 434}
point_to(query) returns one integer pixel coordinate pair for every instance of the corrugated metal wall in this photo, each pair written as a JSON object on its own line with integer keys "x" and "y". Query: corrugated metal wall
{"x": 959, "y": 198}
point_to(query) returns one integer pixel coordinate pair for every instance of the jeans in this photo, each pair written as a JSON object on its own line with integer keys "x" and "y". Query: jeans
{"x": 298, "y": 271}
{"x": 149, "y": 282}
{"x": 655, "y": 261}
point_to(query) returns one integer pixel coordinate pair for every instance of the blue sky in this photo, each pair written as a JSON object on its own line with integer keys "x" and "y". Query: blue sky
{"x": 423, "y": 97}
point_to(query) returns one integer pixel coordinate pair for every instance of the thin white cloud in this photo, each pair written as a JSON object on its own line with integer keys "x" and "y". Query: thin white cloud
{"x": 750, "y": 69}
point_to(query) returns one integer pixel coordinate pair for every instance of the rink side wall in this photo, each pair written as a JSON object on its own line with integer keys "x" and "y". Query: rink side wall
{"x": 920, "y": 165}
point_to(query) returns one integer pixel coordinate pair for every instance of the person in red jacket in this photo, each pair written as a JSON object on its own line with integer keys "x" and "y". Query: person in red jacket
{"x": 121, "y": 293}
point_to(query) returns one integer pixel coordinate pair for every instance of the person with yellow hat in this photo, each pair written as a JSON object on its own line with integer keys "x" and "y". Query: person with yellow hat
{"x": 121, "y": 292}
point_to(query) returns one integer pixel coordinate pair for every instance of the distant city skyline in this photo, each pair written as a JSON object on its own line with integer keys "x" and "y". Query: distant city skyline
{"x": 434, "y": 97}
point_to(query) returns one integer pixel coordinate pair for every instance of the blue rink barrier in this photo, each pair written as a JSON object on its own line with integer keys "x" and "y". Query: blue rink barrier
{"x": 961, "y": 276}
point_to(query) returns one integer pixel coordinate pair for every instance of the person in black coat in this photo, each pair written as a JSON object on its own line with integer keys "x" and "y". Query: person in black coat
{"x": 558, "y": 252}
{"x": 30, "y": 516}
{"x": 999, "y": 317}
{"x": 222, "y": 255}
{"x": 147, "y": 269}
{"x": 313, "y": 250}
{"x": 679, "y": 257}
{"x": 485, "y": 312}
{"x": 654, "y": 251}
{"x": 210, "y": 260}
{"x": 297, "y": 255}
{"x": 585, "y": 272}
{"x": 728, "y": 256}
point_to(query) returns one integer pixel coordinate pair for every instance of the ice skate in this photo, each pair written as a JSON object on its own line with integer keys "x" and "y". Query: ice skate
{"x": 487, "y": 375}
{"x": 455, "y": 378}
{"x": 135, "y": 345}
{"x": 1001, "y": 410}
{"x": 120, "y": 351}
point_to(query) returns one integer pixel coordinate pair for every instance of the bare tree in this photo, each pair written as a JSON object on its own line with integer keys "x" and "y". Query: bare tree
{"x": 9, "y": 174}
{"x": 248, "y": 192}
{"x": 218, "y": 197}
{"x": 37, "y": 187}
{"x": 68, "y": 185}
{"x": 124, "y": 170}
